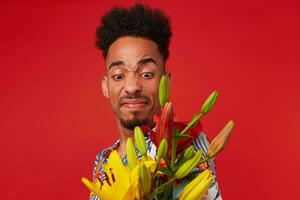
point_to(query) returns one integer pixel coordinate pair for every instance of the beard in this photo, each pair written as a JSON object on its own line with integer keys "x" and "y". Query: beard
{"x": 131, "y": 124}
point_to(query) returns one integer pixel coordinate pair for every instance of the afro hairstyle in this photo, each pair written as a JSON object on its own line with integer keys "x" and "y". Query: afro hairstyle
{"x": 137, "y": 21}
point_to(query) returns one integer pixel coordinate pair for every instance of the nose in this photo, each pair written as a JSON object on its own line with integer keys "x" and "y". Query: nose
{"x": 133, "y": 85}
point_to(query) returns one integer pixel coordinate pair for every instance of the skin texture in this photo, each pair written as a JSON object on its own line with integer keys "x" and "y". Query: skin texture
{"x": 134, "y": 67}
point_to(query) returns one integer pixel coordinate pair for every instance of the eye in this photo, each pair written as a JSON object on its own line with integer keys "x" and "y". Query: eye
{"x": 118, "y": 77}
{"x": 147, "y": 75}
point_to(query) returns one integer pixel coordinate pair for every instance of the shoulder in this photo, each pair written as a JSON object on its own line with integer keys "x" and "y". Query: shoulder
{"x": 103, "y": 155}
{"x": 202, "y": 144}
{"x": 101, "y": 158}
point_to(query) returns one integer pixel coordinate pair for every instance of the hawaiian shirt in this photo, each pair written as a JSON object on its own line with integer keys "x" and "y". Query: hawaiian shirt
{"x": 201, "y": 143}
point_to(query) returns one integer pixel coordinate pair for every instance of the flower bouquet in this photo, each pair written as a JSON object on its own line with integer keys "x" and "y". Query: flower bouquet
{"x": 174, "y": 172}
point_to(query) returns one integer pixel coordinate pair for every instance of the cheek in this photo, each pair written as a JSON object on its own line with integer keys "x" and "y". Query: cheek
{"x": 152, "y": 89}
{"x": 114, "y": 93}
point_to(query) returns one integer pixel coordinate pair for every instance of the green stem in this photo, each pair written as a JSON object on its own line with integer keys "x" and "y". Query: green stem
{"x": 204, "y": 160}
{"x": 157, "y": 165}
{"x": 173, "y": 153}
{"x": 189, "y": 126}
{"x": 163, "y": 185}
{"x": 167, "y": 192}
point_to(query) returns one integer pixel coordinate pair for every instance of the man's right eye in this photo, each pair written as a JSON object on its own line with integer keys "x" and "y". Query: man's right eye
{"x": 118, "y": 77}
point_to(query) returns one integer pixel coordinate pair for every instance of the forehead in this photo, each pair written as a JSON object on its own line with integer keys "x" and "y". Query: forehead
{"x": 132, "y": 49}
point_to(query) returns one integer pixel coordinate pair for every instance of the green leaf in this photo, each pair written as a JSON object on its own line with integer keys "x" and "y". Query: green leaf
{"x": 168, "y": 163}
{"x": 183, "y": 136}
{"x": 176, "y": 132}
{"x": 167, "y": 171}
{"x": 179, "y": 161}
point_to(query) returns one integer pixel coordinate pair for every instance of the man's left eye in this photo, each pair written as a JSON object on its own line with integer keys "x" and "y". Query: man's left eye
{"x": 147, "y": 75}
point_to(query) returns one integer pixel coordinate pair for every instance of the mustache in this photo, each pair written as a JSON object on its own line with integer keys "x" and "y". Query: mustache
{"x": 134, "y": 96}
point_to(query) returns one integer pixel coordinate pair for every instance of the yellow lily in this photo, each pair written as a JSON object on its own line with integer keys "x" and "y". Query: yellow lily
{"x": 197, "y": 188}
{"x": 120, "y": 182}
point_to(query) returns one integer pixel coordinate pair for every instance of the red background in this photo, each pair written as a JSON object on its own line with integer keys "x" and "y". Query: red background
{"x": 54, "y": 119}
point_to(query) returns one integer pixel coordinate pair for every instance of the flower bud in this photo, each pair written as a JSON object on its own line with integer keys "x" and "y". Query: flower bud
{"x": 145, "y": 178}
{"x": 209, "y": 103}
{"x": 162, "y": 149}
{"x": 165, "y": 125}
{"x": 140, "y": 140}
{"x": 163, "y": 163}
{"x": 131, "y": 154}
{"x": 188, "y": 166}
{"x": 163, "y": 90}
{"x": 219, "y": 142}
{"x": 197, "y": 188}
{"x": 189, "y": 152}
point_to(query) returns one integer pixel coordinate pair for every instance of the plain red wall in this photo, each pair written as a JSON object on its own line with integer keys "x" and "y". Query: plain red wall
{"x": 54, "y": 119}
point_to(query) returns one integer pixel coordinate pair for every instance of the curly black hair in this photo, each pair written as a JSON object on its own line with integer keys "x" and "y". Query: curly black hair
{"x": 137, "y": 21}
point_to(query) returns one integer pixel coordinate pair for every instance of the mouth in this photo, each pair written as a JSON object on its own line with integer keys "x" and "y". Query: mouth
{"x": 134, "y": 104}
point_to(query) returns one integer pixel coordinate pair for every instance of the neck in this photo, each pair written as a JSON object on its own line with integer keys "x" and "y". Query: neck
{"x": 124, "y": 135}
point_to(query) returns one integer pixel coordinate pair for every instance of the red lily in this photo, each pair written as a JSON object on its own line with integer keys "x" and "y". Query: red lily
{"x": 194, "y": 132}
{"x": 165, "y": 125}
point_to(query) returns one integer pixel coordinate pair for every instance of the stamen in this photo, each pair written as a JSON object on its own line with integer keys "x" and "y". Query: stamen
{"x": 112, "y": 174}
{"x": 101, "y": 182}
{"x": 107, "y": 179}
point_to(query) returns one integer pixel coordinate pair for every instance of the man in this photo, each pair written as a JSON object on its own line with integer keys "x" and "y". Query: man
{"x": 135, "y": 45}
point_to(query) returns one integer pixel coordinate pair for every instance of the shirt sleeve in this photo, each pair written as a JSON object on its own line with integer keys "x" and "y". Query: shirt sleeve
{"x": 201, "y": 143}
{"x": 98, "y": 161}
{"x": 94, "y": 197}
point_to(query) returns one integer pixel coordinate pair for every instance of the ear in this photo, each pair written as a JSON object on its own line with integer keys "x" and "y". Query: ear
{"x": 104, "y": 86}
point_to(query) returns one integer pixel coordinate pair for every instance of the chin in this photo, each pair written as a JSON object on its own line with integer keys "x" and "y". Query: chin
{"x": 135, "y": 118}
{"x": 132, "y": 123}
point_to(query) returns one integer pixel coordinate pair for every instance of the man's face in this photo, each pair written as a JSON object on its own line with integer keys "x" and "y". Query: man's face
{"x": 134, "y": 67}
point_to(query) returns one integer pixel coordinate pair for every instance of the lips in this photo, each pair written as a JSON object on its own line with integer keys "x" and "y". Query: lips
{"x": 133, "y": 104}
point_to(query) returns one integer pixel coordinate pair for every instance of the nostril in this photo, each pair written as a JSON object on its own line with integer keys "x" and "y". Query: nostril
{"x": 132, "y": 86}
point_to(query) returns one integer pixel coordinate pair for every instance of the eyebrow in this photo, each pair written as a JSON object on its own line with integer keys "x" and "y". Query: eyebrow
{"x": 140, "y": 62}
